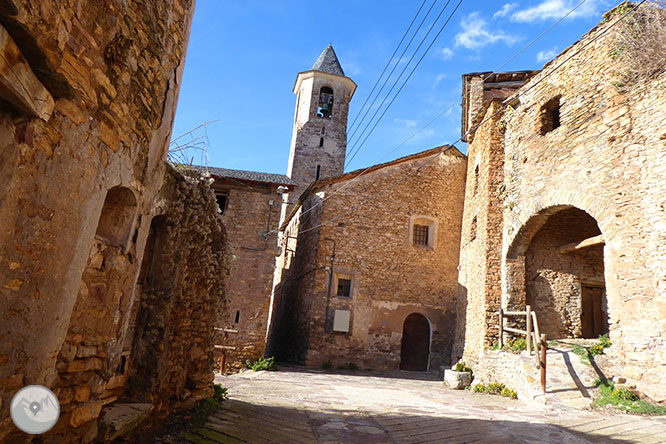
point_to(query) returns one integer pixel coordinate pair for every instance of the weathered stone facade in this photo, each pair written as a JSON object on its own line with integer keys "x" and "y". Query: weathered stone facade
{"x": 583, "y": 211}
{"x": 380, "y": 274}
{"x": 250, "y": 206}
{"x": 82, "y": 166}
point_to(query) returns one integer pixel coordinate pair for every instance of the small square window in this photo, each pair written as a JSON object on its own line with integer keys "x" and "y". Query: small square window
{"x": 420, "y": 236}
{"x": 344, "y": 287}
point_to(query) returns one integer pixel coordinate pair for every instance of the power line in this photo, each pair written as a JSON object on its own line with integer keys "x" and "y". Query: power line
{"x": 487, "y": 77}
{"x": 390, "y": 59}
{"x": 353, "y": 130}
{"x": 446, "y": 109}
{"x": 446, "y": 147}
{"x": 404, "y": 83}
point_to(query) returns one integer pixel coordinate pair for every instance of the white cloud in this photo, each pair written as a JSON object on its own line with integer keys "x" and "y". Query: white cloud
{"x": 504, "y": 11}
{"x": 406, "y": 122}
{"x": 555, "y": 9}
{"x": 544, "y": 56}
{"x": 439, "y": 78}
{"x": 476, "y": 34}
{"x": 445, "y": 53}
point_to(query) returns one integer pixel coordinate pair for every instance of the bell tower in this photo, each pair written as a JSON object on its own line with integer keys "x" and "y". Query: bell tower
{"x": 319, "y": 139}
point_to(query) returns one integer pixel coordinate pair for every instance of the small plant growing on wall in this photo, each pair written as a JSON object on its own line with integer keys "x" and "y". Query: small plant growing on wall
{"x": 640, "y": 42}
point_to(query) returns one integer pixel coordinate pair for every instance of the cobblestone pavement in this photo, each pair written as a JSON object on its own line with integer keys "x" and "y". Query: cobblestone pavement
{"x": 296, "y": 405}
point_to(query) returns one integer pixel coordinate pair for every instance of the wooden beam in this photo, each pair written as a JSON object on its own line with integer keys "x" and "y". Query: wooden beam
{"x": 18, "y": 84}
{"x": 589, "y": 242}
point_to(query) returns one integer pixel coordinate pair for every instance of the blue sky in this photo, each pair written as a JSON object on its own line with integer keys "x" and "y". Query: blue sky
{"x": 243, "y": 58}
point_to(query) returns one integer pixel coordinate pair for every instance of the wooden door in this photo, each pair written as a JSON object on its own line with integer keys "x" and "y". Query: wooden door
{"x": 415, "y": 349}
{"x": 592, "y": 316}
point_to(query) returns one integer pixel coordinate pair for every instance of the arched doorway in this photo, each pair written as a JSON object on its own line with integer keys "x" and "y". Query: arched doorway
{"x": 415, "y": 349}
{"x": 562, "y": 250}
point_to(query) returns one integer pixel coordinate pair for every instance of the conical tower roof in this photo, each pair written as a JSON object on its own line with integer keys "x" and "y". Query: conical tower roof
{"x": 328, "y": 62}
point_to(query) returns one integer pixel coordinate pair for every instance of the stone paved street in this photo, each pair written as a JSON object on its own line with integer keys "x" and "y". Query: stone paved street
{"x": 296, "y": 405}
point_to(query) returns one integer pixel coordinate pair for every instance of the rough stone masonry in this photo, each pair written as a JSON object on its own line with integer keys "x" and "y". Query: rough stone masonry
{"x": 88, "y": 220}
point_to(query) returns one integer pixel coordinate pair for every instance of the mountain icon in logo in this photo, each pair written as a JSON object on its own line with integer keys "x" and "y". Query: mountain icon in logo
{"x": 35, "y": 409}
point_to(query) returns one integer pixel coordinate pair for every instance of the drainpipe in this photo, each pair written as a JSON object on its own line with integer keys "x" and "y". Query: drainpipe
{"x": 330, "y": 285}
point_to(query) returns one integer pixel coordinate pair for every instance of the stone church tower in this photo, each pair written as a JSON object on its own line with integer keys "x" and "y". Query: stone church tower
{"x": 319, "y": 140}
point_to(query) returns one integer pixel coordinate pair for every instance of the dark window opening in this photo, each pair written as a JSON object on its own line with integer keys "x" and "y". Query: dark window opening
{"x": 325, "y": 107}
{"x": 323, "y": 130}
{"x": 318, "y": 173}
{"x": 472, "y": 234}
{"x": 222, "y": 199}
{"x": 237, "y": 317}
{"x": 550, "y": 116}
{"x": 476, "y": 179}
{"x": 321, "y": 142}
{"x": 121, "y": 367}
{"x": 344, "y": 287}
{"x": 420, "y": 236}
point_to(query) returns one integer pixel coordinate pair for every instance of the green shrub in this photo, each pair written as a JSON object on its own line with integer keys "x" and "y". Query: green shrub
{"x": 462, "y": 367}
{"x": 221, "y": 393}
{"x": 625, "y": 399}
{"x": 517, "y": 345}
{"x": 327, "y": 365}
{"x": 495, "y": 388}
{"x": 262, "y": 364}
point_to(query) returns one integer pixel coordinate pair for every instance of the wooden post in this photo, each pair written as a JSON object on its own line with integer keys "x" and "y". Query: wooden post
{"x": 544, "y": 347}
{"x": 223, "y": 361}
{"x": 501, "y": 329}
{"x": 528, "y": 329}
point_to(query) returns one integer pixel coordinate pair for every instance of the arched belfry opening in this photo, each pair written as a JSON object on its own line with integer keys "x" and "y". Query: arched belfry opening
{"x": 415, "y": 347}
{"x": 325, "y": 107}
{"x": 563, "y": 253}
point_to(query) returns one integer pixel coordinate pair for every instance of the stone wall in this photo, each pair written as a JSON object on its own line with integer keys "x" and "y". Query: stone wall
{"x": 183, "y": 293}
{"x": 370, "y": 243}
{"x": 479, "y": 289}
{"x": 607, "y": 158}
{"x": 81, "y": 175}
{"x": 252, "y": 211}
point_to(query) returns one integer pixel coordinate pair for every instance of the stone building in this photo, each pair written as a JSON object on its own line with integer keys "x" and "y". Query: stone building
{"x": 372, "y": 285}
{"x": 569, "y": 211}
{"x": 250, "y": 205}
{"x": 86, "y": 205}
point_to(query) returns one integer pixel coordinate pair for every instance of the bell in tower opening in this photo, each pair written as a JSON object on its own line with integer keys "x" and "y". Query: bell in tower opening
{"x": 325, "y": 108}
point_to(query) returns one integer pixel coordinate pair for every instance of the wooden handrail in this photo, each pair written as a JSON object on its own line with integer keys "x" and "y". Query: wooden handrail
{"x": 531, "y": 333}
{"x": 515, "y": 330}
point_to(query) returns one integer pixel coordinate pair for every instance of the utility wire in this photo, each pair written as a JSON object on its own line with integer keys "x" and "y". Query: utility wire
{"x": 353, "y": 130}
{"x": 446, "y": 147}
{"x": 403, "y": 84}
{"x": 390, "y": 60}
{"x": 347, "y": 183}
{"x": 432, "y": 26}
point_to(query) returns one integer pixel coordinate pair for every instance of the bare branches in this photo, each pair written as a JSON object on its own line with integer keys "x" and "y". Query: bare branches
{"x": 184, "y": 149}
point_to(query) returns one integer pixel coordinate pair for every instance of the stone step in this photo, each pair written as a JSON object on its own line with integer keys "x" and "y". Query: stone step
{"x": 119, "y": 419}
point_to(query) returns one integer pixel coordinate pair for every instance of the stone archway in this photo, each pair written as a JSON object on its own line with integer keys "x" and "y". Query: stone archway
{"x": 415, "y": 347}
{"x": 556, "y": 265}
